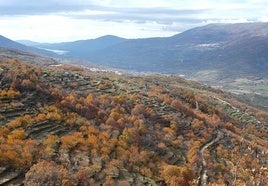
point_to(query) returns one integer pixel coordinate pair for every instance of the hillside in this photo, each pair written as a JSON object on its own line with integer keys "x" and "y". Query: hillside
{"x": 28, "y": 43}
{"x": 67, "y": 125}
{"x": 30, "y": 57}
{"x": 238, "y": 49}
{"x": 230, "y": 56}
{"x": 13, "y": 45}
{"x": 78, "y": 49}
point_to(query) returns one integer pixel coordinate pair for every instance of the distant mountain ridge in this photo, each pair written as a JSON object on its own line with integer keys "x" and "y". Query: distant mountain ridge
{"x": 7, "y": 43}
{"x": 78, "y": 49}
{"x": 10, "y": 44}
{"x": 233, "y": 48}
{"x": 230, "y": 49}
{"x": 28, "y": 42}
{"x": 233, "y": 57}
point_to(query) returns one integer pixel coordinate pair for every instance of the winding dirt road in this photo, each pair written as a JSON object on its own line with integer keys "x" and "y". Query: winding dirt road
{"x": 203, "y": 173}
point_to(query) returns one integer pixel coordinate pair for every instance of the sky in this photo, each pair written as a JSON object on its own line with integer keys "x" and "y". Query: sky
{"x": 69, "y": 20}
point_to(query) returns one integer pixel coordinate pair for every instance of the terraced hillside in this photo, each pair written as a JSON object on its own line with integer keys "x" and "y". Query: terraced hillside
{"x": 66, "y": 125}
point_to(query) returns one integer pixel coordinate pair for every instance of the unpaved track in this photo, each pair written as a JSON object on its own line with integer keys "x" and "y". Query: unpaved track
{"x": 203, "y": 173}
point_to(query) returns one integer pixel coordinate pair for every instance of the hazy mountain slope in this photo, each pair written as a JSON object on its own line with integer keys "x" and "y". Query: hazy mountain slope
{"x": 237, "y": 47}
{"x": 67, "y": 125}
{"x": 30, "y": 57}
{"x": 78, "y": 49}
{"x": 7, "y": 43}
{"x": 231, "y": 56}
{"x": 10, "y": 44}
{"x": 229, "y": 48}
{"x": 135, "y": 55}
{"x": 28, "y": 42}
{"x": 234, "y": 47}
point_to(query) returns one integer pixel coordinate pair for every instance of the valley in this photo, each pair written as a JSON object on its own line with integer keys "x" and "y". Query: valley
{"x": 190, "y": 109}
{"x": 229, "y": 56}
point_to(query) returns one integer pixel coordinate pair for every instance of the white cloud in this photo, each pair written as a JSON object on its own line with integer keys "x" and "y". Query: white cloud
{"x": 51, "y": 28}
{"x": 58, "y": 20}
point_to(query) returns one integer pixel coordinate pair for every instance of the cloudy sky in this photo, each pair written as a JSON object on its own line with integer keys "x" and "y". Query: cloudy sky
{"x": 69, "y": 20}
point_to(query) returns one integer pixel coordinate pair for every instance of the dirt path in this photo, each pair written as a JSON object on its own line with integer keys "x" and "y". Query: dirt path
{"x": 203, "y": 173}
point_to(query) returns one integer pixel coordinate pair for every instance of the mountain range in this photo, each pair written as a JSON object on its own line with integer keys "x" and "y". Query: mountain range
{"x": 10, "y": 44}
{"x": 231, "y": 56}
{"x": 228, "y": 48}
{"x": 65, "y": 124}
